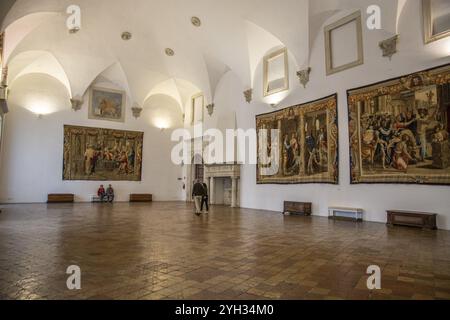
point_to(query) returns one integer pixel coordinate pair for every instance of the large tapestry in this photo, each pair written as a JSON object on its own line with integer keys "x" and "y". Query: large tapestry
{"x": 399, "y": 130}
{"x": 299, "y": 144}
{"x": 102, "y": 154}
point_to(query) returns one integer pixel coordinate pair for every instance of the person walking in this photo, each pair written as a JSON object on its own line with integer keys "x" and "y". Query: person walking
{"x": 205, "y": 198}
{"x": 198, "y": 191}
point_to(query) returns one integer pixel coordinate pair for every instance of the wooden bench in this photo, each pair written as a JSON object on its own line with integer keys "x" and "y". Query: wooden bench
{"x": 61, "y": 198}
{"x": 423, "y": 220}
{"x": 301, "y": 208}
{"x": 96, "y": 199}
{"x": 141, "y": 198}
{"x": 343, "y": 213}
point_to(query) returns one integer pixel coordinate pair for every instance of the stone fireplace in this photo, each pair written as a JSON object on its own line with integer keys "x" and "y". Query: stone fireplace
{"x": 218, "y": 177}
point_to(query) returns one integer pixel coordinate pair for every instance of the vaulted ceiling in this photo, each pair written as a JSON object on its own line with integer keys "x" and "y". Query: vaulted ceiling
{"x": 234, "y": 36}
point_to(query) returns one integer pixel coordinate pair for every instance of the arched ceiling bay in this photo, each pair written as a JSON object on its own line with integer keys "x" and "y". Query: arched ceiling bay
{"x": 232, "y": 37}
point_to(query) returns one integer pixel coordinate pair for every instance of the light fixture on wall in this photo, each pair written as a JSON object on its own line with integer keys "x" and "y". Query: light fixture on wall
{"x": 126, "y": 36}
{"x": 40, "y": 106}
{"x": 196, "y": 22}
{"x": 170, "y": 52}
{"x": 275, "y": 100}
{"x": 162, "y": 124}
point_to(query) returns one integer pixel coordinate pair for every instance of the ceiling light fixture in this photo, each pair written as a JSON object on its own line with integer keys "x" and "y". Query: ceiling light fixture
{"x": 126, "y": 36}
{"x": 170, "y": 52}
{"x": 196, "y": 22}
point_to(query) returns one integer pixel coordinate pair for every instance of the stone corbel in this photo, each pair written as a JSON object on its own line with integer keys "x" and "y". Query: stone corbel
{"x": 248, "y": 94}
{"x": 137, "y": 110}
{"x": 210, "y": 108}
{"x": 303, "y": 76}
{"x": 77, "y": 103}
{"x": 4, "y": 77}
{"x": 389, "y": 46}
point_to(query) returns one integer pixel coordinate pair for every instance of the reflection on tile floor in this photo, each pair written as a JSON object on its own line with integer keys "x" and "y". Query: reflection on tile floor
{"x": 164, "y": 251}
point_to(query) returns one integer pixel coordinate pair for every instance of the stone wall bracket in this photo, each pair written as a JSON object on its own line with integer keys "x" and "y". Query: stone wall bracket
{"x": 303, "y": 76}
{"x": 389, "y": 46}
{"x": 210, "y": 108}
{"x": 77, "y": 103}
{"x": 136, "y": 111}
{"x": 248, "y": 94}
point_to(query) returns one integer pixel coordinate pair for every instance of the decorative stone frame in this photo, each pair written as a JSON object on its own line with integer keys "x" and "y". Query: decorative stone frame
{"x": 284, "y": 53}
{"x": 354, "y": 17}
{"x": 428, "y": 24}
{"x": 193, "y": 100}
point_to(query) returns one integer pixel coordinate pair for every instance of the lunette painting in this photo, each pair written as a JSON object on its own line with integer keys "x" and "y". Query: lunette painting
{"x": 107, "y": 104}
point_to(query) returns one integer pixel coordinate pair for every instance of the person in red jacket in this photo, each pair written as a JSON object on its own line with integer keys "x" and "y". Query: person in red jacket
{"x": 101, "y": 193}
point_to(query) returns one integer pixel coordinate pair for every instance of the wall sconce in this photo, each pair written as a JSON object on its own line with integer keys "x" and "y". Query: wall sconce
{"x": 274, "y": 105}
{"x": 162, "y": 124}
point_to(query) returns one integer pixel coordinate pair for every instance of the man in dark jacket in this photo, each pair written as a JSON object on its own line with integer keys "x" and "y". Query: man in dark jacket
{"x": 205, "y": 199}
{"x": 198, "y": 192}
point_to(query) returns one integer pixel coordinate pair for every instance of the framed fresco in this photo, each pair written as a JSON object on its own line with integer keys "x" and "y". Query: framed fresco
{"x": 276, "y": 72}
{"x": 399, "y": 130}
{"x": 2, "y": 36}
{"x": 102, "y": 154}
{"x": 198, "y": 104}
{"x": 299, "y": 143}
{"x": 107, "y": 104}
{"x": 436, "y": 19}
{"x": 342, "y": 55}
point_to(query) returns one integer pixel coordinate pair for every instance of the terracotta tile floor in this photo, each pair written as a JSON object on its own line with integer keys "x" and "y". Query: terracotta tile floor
{"x": 163, "y": 251}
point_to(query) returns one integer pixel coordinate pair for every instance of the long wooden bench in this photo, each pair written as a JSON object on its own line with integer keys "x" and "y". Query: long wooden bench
{"x": 300, "y": 208}
{"x": 345, "y": 213}
{"x": 141, "y": 197}
{"x": 60, "y": 198}
{"x": 423, "y": 220}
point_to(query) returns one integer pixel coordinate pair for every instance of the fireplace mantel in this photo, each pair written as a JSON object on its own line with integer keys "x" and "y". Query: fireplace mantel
{"x": 223, "y": 171}
{"x": 232, "y": 171}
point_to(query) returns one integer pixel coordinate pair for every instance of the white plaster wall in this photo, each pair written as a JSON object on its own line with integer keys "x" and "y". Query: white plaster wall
{"x": 375, "y": 199}
{"x": 32, "y": 151}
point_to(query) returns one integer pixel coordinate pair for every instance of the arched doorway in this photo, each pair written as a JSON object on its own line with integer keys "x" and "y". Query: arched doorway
{"x": 198, "y": 168}
{"x": 195, "y": 171}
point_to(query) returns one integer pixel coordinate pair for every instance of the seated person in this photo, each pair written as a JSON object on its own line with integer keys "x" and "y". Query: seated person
{"x": 110, "y": 194}
{"x": 101, "y": 193}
